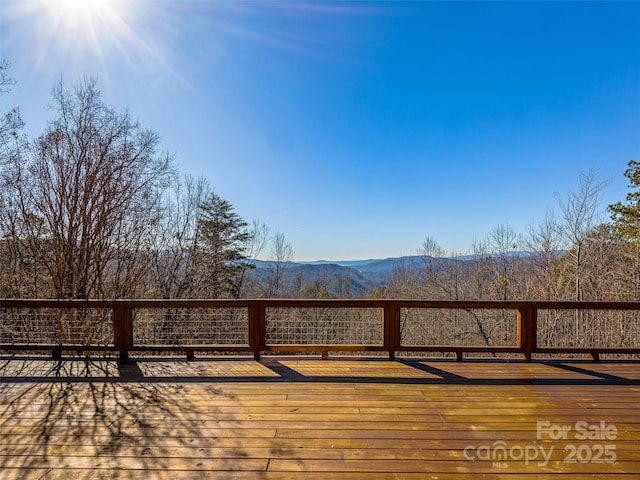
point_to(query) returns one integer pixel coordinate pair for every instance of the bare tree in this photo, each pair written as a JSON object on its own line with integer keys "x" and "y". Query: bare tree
{"x": 581, "y": 214}
{"x": 5, "y": 79}
{"x": 544, "y": 243}
{"x": 12, "y": 141}
{"x": 503, "y": 243}
{"x": 85, "y": 193}
{"x": 256, "y": 242}
{"x": 171, "y": 242}
{"x": 281, "y": 254}
{"x": 11, "y": 147}
{"x": 435, "y": 278}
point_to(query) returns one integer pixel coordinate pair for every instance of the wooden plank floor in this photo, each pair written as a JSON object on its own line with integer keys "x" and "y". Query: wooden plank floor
{"x": 339, "y": 418}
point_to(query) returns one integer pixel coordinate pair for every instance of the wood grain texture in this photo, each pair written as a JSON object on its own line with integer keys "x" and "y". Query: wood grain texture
{"x": 348, "y": 418}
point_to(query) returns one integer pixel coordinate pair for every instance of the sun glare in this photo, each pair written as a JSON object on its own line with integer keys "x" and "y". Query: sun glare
{"x": 79, "y": 14}
{"x": 96, "y": 38}
{"x": 83, "y": 35}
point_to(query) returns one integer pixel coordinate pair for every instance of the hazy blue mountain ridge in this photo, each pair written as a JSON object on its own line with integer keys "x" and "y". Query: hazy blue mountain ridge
{"x": 360, "y": 276}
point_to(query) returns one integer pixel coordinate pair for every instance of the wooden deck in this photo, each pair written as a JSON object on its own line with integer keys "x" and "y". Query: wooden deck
{"x": 337, "y": 418}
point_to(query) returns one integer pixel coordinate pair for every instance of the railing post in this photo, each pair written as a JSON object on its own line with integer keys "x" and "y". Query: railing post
{"x": 257, "y": 328}
{"x": 391, "y": 329}
{"x": 123, "y": 331}
{"x": 527, "y": 326}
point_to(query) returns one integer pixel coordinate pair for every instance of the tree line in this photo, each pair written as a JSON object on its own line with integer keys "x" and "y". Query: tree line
{"x": 92, "y": 208}
{"x": 572, "y": 255}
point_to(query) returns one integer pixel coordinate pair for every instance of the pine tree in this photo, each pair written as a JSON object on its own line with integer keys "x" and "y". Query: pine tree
{"x": 223, "y": 235}
{"x": 626, "y": 217}
{"x": 626, "y": 225}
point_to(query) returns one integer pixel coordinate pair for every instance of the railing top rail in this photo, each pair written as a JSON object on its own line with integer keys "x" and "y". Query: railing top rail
{"x": 311, "y": 303}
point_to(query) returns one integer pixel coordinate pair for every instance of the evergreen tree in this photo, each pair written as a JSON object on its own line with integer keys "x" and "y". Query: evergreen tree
{"x": 626, "y": 225}
{"x": 626, "y": 217}
{"x": 223, "y": 236}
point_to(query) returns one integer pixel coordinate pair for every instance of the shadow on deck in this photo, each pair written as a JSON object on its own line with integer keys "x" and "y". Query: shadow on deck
{"x": 341, "y": 418}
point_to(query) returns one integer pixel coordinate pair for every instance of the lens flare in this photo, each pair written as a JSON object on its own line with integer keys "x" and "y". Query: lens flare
{"x": 106, "y": 39}
{"x": 76, "y": 14}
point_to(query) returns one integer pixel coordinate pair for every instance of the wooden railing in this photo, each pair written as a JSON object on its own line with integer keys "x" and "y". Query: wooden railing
{"x": 254, "y": 326}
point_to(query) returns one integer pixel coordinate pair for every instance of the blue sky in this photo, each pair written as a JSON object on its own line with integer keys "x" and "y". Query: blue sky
{"x": 356, "y": 129}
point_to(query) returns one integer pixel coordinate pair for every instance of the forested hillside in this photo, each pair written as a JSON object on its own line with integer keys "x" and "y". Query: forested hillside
{"x": 91, "y": 208}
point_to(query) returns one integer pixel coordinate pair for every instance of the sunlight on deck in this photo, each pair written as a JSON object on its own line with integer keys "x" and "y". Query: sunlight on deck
{"x": 338, "y": 418}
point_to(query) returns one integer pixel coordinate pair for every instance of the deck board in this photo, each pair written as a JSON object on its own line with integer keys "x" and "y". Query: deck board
{"x": 340, "y": 418}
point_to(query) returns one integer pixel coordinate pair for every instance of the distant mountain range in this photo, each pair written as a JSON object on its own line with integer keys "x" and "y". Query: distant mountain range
{"x": 356, "y": 276}
{"x": 373, "y": 270}
{"x": 339, "y": 277}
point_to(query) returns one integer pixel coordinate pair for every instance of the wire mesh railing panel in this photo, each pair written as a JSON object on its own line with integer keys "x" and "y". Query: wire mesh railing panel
{"x": 588, "y": 328}
{"x": 56, "y": 326}
{"x": 327, "y": 326}
{"x": 193, "y": 326}
{"x": 457, "y": 327}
